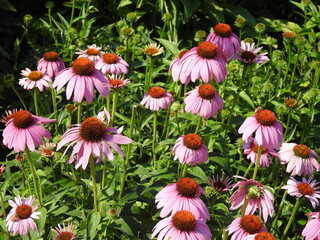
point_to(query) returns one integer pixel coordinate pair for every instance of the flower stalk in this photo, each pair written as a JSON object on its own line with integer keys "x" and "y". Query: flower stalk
{"x": 154, "y": 139}
{"x": 94, "y": 183}
{"x": 294, "y": 211}
{"x": 255, "y": 172}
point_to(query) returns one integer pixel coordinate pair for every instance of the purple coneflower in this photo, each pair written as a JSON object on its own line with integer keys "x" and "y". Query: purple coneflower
{"x": 260, "y": 236}
{"x": 113, "y": 64}
{"x": 175, "y": 68}
{"x": 46, "y": 149}
{"x": 8, "y": 115}
{"x": 92, "y": 52}
{"x": 64, "y": 232}
{"x": 312, "y": 229}
{"x": 157, "y": 98}
{"x": 248, "y": 54}
{"x": 221, "y": 184}
{"x": 51, "y": 63}
{"x": 115, "y": 81}
{"x": 34, "y": 79}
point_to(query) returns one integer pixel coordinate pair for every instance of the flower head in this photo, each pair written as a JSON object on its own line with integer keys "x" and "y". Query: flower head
{"x": 181, "y": 225}
{"x": 223, "y": 184}
{"x": 301, "y": 160}
{"x": 307, "y": 188}
{"x": 203, "y": 100}
{"x": 152, "y": 49}
{"x": 51, "y": 64}
{"x": 46, "y": 149}
{"x": 115, "y": 81}
{"x": 111, "y": 63}
{"x": 175, "y": 66}
{"x": 182, "y": 195}
{"x": 248, "y": 54}
{"x": 92, "y": 52}
{"x": 258, "y": 197}
{"x": 32, "y": 79}
{"x": 82, "y": 77}
{"x": 23, "y": 130}
{"x": 223, "y": 36}
{"x": 64, "y": 232}
{"x": 264, "y": 124}
{"x": 92, "y": 137}
{"x": 190, "y": 149}
{"x": 20, "y": 218}
{"x": 260, "y": 236}
{"x": 312, "y": 229}
{"x": 8, "y": 115}
{"x": 157, "y": 98}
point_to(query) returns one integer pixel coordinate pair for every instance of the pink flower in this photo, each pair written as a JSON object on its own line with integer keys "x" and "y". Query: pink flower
{"x": 157, "y": 98}
{"x": 225, "y": 39}
{"x": 306, "y": 188}
{"x": 115, "y": 81}
{"x": 312, "y": 230}
{"x": 2, "y": 169}
{"x": 8, "y": 115}
{"x": 242, "y": 227}
{"x": 221, "y": 184}
{"x": 34, "y": 79}
{"x": 190, "y": 149}
{"x": 268, "y": 131}
{"x": 183, "y": 226}
{"x": 258, "y": 197}
{"x": 111, "y": 63}
{"x": 248, "y": 54}
{"x": 93, "y": 53}
{"x": 205, "y": 61}
{"x": 251, "y": 150}
{"x": 23, "y": 130}
{"x": 81, "y": 79}
{"x": 51, "y": 64}
{"x": 175, "y": 66}
{"x": 203, "y": 100}
{"x": 64, "y": 232}
{"x": 182, "y": 195}
{"x": 301, "y": 160}
{"x": 260, "y": 236}
{"x": 92, "y": 137}
{"x": 20, "y": 219}
{"x": 46, "y": 149}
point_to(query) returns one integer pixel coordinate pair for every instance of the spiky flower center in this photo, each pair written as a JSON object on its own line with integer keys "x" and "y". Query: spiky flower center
{"x": 83, "y": 66}
{"x": 151, "y": 51}
{"x": 184, "y": 221}
{"x": 92, "y": 51}
{"x": 264, "y": 236}
{"x": 207, "y": 50}
{"x": 65, "y": 236}
{"x": 35, "y": 75}
{"x": 266, "y": 117}
{"x": 24, "y": 211}
{"x": 110, "y": 58}
{"x": 183, "y": 53}
{"x": 223, "y": 30}
{"x": 192, "y": 141}
{"x": 290, "y": 103}
{"x": 253, "y": 191}
{"x": 248, "y": 55}
{"x": 206, "y": 91}
{"x": 22, "y": 119}
{"x": 289, "y": 35}
{"x": 157, "y": 92}
{"x": 50, "y": 56}
{"x": 255, "y": 148}
{"x": 219, "y": 186}
{"x": 301, "y": 150}
{"x": 187, "y": 187}
{"x": 250, "y": 224}
{"x": 305, "y": 188}
{"x": 92, "y": 130}
{"x": 115, "y": 82}
{"x": 48, "y": 152}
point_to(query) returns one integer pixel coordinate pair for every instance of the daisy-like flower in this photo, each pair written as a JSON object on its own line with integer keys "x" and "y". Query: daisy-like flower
{"x": 312, "y": 229}
{"x": 2, "y": 169}
{"x": 92, "y": 137}
{"x": 307, "y": 188}
{"x": 20, "y": 219}
{"x": 203, "y": 100}
{"x": 251, "y": 150}
{"x": 46, "y": 149}
{"x": 152, "y": 49}
{"x": 223, "y": 36}
{"x": 23, "y": 130}
{"x": 221, "y": 184}
{"x": 260, "y": 236}
{"x": 182, "y": 195}
{"x": 301, "y": 160}
{"x": 82, "y": 77}
{"x": 8, "y": 115}
{"x": 111, "y": 63}
{"x": 157, "y": 98}
{"x": 92, "y": 52}
{"x": 51, "y": 63}
{"x": 64, "y": 232}
{"x": 244, "y": 226}
{"x": 189, "y": 149}
{"x": 32, "y": 79}
{"x": 115, "y": 81}
{"x": 182, "y": 225}
{"x": 264, "y": 124}
{"x": 204, "y": 61}
{"x": 248, "y": 54}
{"x": 258, "y": 197}
{"x": 175, "y": 66}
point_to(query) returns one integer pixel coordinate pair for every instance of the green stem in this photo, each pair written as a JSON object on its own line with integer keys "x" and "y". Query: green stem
{"x": 274, "y": 222}
{"x": 288, "y": 62}
{"x": 35, "y": 99}
{"x": 155, "y": 116}
{"x": 150, "y": 72}
{"x": 165, "y": 125}
{"x": 198, "y": 125}
{"x": 256, "y": 167}
{"x": 295, "y": 66}
{"x": 72, "y": 12}
{"x": 108, "y": 103}
{"x": 294, "y": 211}
{"x": 79, "y": 112}
{"x": 244, "y": 206}
{"x": 225, "y": 235}
{"x": 248, "y": 169}
{"x": 18, "y": 95}
{"x": 114, "y": 106}
{"x": 55, "y": 109}
{"x": 184, "y": 170}
{"x": 127, "y": 163}
{"x": 34, "y": 176}
{"x": 29, "y": 236}
{"x": 287, "y": 127}
{"x": 94, "y": 183}
{"x": 4, "y": 213}
{"x": 104, "y": 170}
{"x": 177, "y": 122}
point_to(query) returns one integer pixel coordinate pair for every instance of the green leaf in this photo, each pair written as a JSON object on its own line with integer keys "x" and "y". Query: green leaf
{"x": 63, "y": 20}
{"x": 170, "y": 46}
{"x": 198, "y": 172}
{"x": 246, "y": 97}
{"x": 190, "y": 6}
{"x": 92, "y": 224}
{"x": 124, "y": 3}
{"x": 42, "y": 220}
